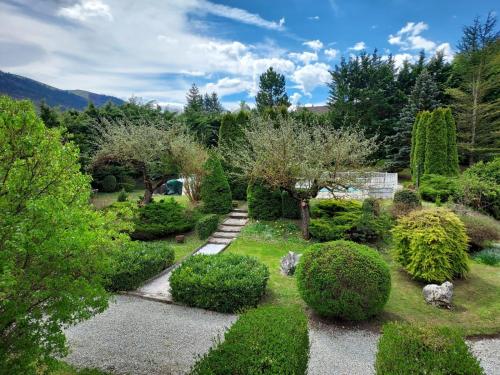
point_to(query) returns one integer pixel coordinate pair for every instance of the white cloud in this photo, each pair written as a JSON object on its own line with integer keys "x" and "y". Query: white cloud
{"x": 295, "y": 98}
{"x": 304, "y": 57}
{"x": 331, "y": 53}
{"x": 447, "y": 51}
{"x": 240, "y": 15}
{"x": 315, "y": 45}
{"x": 359, "y": 46}
{"x": 228, "y": 86}
{"x": 313, "y": 18}
{"x": 311, "y": 76}
{"x": 85, "y": 9}
{"x": 399, "y": 59}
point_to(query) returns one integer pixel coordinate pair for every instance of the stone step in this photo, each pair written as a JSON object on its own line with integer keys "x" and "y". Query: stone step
{"x": 229, "y": 228}
{"x": 235, "y": 222}
{"x": 219, "y": 241}
{"x": 225, "y": 235}
{"x": 211, "y": 249}
{"x": 240, "y": 210}
{"x": 238, "y": 215}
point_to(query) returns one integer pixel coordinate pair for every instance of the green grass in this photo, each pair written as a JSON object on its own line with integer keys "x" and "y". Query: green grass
{"x": 102, "y": 200}
{"x": 476, "y": 301}
{"x": 182, "y": 250}
{"x": 63, "y": 368}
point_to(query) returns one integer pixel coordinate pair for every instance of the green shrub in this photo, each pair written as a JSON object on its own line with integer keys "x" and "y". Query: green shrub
{"x": 207, "y": 225}
{"x": 431, "y": 245}
{"x": 334, "y": 219}
{"x": 328, "y": 208}
{"x": 109, "y": 184}
{"x": 437, "y": 188}
{"x": 138, "y": 262}
{"x": 410, "y": 349}
{"x": 268, "y": 340}
{"x": 123, "y": 215}
{"x": 127, "y": 183}
{"x": 489, "y": 256}
{"x": 215, "y": 190}
{"x": 290, "y": 206}
{"x": 481, "y": 230}
{"x": 224, "y": 282}
{"x": 263, "y": 202}
{"x": 343, "y": 279}
{"x": 122, "y": 197}
{"x": 407, "y": 198}
{"x": 161, "y": 219}
{"x": 373, "y": 224}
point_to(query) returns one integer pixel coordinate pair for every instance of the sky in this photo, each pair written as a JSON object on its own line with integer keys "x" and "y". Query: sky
{"x": 156, "y": 49}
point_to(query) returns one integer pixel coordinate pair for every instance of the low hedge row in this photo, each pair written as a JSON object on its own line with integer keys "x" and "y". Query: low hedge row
{"x": 267, "y": 340}
{"x": 224, "y": 282}
{"x": 138, "y": 262}
{"x": 207, "y": 225}
{"x": 410, "y": 349}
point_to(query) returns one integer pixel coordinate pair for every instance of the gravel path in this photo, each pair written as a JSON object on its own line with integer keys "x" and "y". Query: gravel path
{"x": 488, "y": 352}
{"x": 341, "y": 351}
{"x": 136, "y": 336}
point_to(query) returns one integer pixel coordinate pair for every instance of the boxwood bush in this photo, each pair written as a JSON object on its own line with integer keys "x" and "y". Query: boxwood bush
{"x": 224, "y": 282}
{"x": 267, "y": 340}
{"x": 411, "y": 349}
{"x": 343, "y": 279}
{"x": 161, "y": 219}
{"x": 138, "y": 262}
{"x": 207, "y": 225}
{"x": 263, "y": 202}
{"x": 431, "y": 245}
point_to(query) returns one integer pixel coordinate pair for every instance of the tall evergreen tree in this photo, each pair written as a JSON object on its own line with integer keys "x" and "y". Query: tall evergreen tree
{"x": 440, "y": 71}
{"x": 419, "y": 142}
{"x": 452, "y": 152}
{"x": 194, "y": 100}
{"x": 49, "y": 116}
{"x": 436, "y": 145}
{"x": 272, "y": 91}
{"x": 211, "y": 103}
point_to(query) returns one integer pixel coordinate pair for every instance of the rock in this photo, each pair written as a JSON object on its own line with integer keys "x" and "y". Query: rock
{"x": 439, "y": 295}
{"x": 180, "y": 238}
{"x": 289, "y": 262}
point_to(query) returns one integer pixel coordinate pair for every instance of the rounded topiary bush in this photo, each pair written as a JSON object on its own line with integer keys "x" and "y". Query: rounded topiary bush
{"x": 109, "y": 184}
{"x": 405, "y": 201}
{"x": 431, "y": 245}
{"x": 343, "y": 279}
{"x": 224, "y": 282}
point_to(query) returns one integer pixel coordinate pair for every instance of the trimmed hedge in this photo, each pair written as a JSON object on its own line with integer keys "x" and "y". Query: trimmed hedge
{"x": 138, "y": 262}
{"x": 215, "y": 190}
{"x": 263, "y": 202}
{"x": 343, "y": 279}
{"x": 224, "y": 282}
{"x": 207, "y": 225}
{"x": 437, "y": 188}
{"x": 431, "y": 245}
{"x": 410, "y": 349}
{"x": 109, "y": 184}
{"x": 268, "y": 340}
{"x": 290, "y": 207}
{"x": 161, "y": 219}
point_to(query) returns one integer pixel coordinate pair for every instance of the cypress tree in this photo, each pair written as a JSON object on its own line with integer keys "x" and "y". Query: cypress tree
{"x": 215, "y": 191}
{"x": 414, "y": 140}
{"x": 452, "y": 143}
{"x": 420, "y": 143}
{"x": 436, "y": 148}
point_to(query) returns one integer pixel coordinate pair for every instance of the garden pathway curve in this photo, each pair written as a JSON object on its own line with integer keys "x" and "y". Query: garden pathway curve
{"x": 158, "y": 288}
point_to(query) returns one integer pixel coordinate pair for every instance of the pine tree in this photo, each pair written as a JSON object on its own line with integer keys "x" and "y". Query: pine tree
{"x": 436, "y": 145}
{"x": 49, "y": 116}
{"x": 452, "y": 152}
{"x": 194, "y": 100}
{"x": 272, "y": 91}
{"x": 211, "y": 103}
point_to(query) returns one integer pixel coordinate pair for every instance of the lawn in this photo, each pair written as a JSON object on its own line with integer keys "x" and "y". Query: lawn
{"x": 476, "y": 299}
{"x": 102, "y": 200}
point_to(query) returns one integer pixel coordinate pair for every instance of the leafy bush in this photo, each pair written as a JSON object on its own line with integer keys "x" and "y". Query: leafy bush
{"x": 160, "y": 219}
{"x": 334, "y": 219}
{"x": 437, "y": 188}
{"x": 122, "y": 197}
{"x": 109, "y": 184}
{"x": 431, "y": 245}
{"x": 224, "y": 282}
{"x": 404, "y": 202}
{"x": 138, "y": 262}
{"x": 410, "y": 349}
{"x": 263, "y": 202}
{"x": 479, "y": 187}
{"x": 268, "y": 340}
{"x": 215, "y": 190}
{"x": 123, "y": 215}
{"x": 481, "y": 230}
{"x": 290, "y": 206}
{"x": 327, "y": 208}
{"x": 343, "y": 279}
{"x": 207, "y": 225}
{"x": 373, "y": 224}
{"x": 489, "y": 256}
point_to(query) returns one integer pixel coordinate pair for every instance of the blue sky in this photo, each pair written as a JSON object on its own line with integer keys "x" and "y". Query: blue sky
{"x": 156, "y": 49}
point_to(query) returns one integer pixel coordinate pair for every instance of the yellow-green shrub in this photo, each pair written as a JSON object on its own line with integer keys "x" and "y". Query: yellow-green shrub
{"x": 431, "y": 245}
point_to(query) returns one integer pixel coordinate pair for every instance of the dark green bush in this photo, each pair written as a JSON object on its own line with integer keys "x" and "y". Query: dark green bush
{"x": 327, "y": 208}
{"x": 290, "y": 206}
{"x": 122, "y": 197}
{"x": 109, "y": 184}
{"x": 490, "y": 256}
{"x": 268, "y": 340}
{"x": 431, "y": 245}
{"x": 207, "y": 225}
{"x": 373, "y": 225}
{"x": 138, "y": 262}
{"x": 343, "y": 279}
{"x": 408, "y": 198}
{"x": 334, "y": 219}
{"x": 127, "y": 183}
{"x": 224, "y": 282}
{"x": 410, "y": 349}
{"x": 437, "y": 188}
{"x": 215, "y": 190}
{"x": 161, "y": 219}
{"x": 263, "y": 202}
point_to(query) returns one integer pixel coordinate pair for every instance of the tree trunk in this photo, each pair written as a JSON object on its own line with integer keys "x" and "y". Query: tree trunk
{"x": 148, "y": 196}
{"x": 304, "y": 215}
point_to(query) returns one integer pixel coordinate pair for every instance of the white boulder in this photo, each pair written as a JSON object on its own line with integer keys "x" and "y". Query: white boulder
{"x": 439, "y": 295}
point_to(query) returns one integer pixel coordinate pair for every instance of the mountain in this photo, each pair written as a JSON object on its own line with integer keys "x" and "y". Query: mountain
{"x": 20, "y": 87}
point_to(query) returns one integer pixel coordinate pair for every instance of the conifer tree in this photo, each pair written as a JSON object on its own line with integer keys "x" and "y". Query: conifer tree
{"x": 272, "y": 90}
{"x": 194, "y": 100}
{"x": 452, "y": 152}
{"x": 436, "y": 145}
{"x": 420, "y": 145}
{"x": 215, "y": 191}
